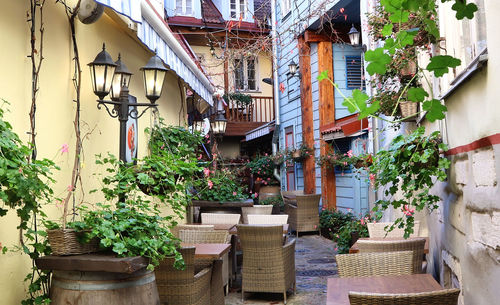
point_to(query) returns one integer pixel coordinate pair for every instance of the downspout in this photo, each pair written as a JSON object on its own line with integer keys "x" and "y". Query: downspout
{"x": 276, "y": 137}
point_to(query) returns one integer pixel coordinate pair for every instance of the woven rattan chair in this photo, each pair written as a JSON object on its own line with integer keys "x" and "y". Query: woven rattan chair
{"x": 255, "y": 210}
{"x": 440, "y": 297}
{"x": 374, "y": 264}
{"x": 175, "y": 230}
{"x": 378, "y": 230}
{"x": 267, "y": 219}
{"x": 414, "y": 244}
{"x": 183, "y": 287}
{"x": 291, "y": 193}
{"x": 210, "y": 237}
{"x": 304, "y": 214}
{"x": 214, "y": 218}
{"x": 268, "y": 265}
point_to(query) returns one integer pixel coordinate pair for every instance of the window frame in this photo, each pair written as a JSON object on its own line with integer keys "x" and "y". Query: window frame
{"x": 349, "y": 58}
{"x": 238, "y": 12}
{"x": 286, "y": 8}
{"x": 183, "y": 8}
{"x": 245, "y": 74}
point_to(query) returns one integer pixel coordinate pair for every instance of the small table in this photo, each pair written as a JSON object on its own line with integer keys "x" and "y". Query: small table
{"x": 355, "y": 248}
{"x": 338, "y": 288}
{"x": 208, "y": 251}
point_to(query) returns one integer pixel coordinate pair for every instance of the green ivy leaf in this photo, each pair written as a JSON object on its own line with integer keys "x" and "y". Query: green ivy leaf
{"x": 463, "y": 9}
{"x": 378, "y": 61}
{"x": 439, "y": 64}
{"x": 387, "y": 30}
{"x": 435, "y": 110}
{"x": 417, "y": 94}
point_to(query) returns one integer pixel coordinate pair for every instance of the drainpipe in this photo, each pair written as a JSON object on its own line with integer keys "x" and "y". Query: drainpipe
{"x": 276, "y": 137}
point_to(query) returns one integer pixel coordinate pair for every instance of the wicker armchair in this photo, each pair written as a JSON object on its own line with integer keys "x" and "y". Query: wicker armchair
{"x": 378, "y": 230}
{"x": 375, "y": 264}
{"x": 268, "y": 265}
{"x": 215, "y": 218}
{"x": 255, "y": 210}
{"x": 183, "y": 287}
{"x": 291, "y": 193}
{"x": 267, "y": 219}
{"x": 414, "y": 244}
{"x": 440, "y": 297}
{"x": 210, "y": 237}
{"x": 303, "y": 213}
{"x": 175, "y": 230}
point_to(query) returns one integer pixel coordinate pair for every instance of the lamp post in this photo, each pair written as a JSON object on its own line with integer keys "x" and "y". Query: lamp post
{"x": 109, "y": 76}
{"x": 218, "y": 124}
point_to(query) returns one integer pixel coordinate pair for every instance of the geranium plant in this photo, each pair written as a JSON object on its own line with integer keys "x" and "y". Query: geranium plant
{"x": 262, "y": 167}
{"x": 218, "y": 185}
{"x": 411, "y": 165}
{"x": 301, "y": 153}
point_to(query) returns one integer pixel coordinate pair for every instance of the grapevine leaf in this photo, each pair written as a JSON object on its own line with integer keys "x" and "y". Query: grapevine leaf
{"x": 323, "y": 75}
{"x": 435, "y": 110}
{"x": 417, "y": 94}
{"x": 440, "y": 64}
{"x": 463, "y": 9}
{"x": 378, "y": 61}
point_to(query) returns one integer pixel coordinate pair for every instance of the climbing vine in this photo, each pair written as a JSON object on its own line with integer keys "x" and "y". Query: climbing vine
{"x": 405, "y": 28}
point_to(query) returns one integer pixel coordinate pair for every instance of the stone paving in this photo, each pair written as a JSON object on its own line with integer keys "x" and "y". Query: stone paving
{"x": 314, "y": 263}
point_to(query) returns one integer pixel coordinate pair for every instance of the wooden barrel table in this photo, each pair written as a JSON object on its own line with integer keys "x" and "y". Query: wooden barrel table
{"x": 100, "y": 279}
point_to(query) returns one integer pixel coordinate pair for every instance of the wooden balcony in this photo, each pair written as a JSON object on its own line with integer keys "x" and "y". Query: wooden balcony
{"x": 243, "y": 118}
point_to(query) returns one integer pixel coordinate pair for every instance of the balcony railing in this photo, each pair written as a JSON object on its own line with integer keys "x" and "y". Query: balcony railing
{"x": 260, "y": 110}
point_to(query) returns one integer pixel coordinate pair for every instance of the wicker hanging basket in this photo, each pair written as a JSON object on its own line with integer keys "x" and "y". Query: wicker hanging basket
{"x": 409, "y": 70}
{"x": 65, "y": 242}
{"x": 408, "y": 110}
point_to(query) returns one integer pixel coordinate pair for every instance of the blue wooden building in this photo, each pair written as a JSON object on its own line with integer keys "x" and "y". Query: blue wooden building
{"x": 313, "y": 34}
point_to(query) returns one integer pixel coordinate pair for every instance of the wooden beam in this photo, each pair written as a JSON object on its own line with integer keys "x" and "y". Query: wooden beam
{"x": 326, "y": 116}
{"x": 310, "y": 36}
{"x": 307, "y": 114}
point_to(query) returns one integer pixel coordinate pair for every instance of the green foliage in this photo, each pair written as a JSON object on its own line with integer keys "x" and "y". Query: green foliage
{"x": 263, "y": 167}
{"x": 435, "y": 110}
{"x": 463, "y": 9}
{"x": 299, "y": 154}
{"x": 134, "y": 225}
{"x": 378, "y": 61}
{"x": 354, "y": 228}
{"x": 410, "y": 165}
{"x": 219, "y": 185}
{"x": 240, "y": 98}
{"x": 275, "y": 201}
{"x": 441, "y": 63}
{"x": 333, "y": 220}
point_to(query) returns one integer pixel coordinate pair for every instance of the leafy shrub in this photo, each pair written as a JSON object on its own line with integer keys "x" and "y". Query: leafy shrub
{"x": 219, "y": 185}
{"x": 332, "y": 220}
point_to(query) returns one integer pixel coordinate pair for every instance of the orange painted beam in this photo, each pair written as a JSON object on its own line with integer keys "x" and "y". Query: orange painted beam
{"x": 310, "y": 36}
{"x": 326, "y": 116}
{"x": 307, "y": 115}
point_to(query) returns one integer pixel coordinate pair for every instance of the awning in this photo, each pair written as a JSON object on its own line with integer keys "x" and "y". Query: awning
{"x": 260, "y": 131}
{"x": 346, "y": 127}
{"x": 155, "y": 34}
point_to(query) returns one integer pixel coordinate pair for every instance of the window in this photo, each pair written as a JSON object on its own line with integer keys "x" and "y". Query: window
{"x": 184, "y": 7}
{"x": 245, "y": 74}
{"x": 342, "y": 146}
{"x": 354, "y": 73}
{"x": 290, "y": 168}
{"x": 238, "y": 9}
{"x": 286, "y": 6}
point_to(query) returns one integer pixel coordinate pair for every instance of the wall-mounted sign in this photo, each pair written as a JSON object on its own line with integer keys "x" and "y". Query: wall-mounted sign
{"x": 131, "y": 141}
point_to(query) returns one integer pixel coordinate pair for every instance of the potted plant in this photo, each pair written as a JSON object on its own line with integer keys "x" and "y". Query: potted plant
{"x": 241, "y": 99}
{"x": 128, "y": 223}
{"x": 276, "y": 202}
{"x": 301, "y": 153}
{"x": 410, "y": 166}
{"x": 262, "y": 167}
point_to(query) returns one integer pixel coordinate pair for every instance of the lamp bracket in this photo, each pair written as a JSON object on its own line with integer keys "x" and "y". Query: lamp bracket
{"x": 113, "y": 112}
{"x": 132, "y": 113}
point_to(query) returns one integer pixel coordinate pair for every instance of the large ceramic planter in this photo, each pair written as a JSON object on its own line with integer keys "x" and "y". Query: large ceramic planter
{"x": 256, "y": 210}
{"x": 269, "y": 191}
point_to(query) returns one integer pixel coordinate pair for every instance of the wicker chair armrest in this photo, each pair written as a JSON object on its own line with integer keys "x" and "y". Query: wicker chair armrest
{"x": 290, "y": 208}
{"x": 289, "y": 247}
{"x": 206, "y": 272}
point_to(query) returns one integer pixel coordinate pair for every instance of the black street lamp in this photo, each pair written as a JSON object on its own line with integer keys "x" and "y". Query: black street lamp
{"x": 354, "y": 36}
{"x": 219, "y": 124}
{"x": 292, "y": 70}
{"x": 109, "y": 76}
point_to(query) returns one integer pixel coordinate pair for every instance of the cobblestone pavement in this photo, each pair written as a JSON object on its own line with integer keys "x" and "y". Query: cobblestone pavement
{"x": 314, "y": 263}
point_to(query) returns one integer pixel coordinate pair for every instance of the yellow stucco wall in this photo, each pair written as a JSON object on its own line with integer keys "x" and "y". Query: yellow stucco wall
{"x": 215, "y": 70}
{"x": 55, "y": 110}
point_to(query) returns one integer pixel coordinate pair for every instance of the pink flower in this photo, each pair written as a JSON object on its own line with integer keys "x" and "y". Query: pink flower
{"x": 256, "y": 195}
{"x": 350, "y": 154}
{"x": 64, "y": 148}
{"x": 336, "y": 249}
{"x": 59, "y": 203}
{"x": 372, "y": 177}
{"x": 199, "y": 157}
{"x": 207, "y": 136}
{"x": 210, "y": 184}
{"x": 407, "y": 211}
{"x": 206, "y": 172}
{"x": 234, "y": 193}
{"x": 362, "y": 220}
{"x": 20, "y": 170}
{"x": 70, "y": 188}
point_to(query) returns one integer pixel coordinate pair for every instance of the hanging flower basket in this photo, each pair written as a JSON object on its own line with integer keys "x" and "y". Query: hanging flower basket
{"x": 408, "y": 110}
{"x": 409, "y": 70}
{"x": 66, "y": 242}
